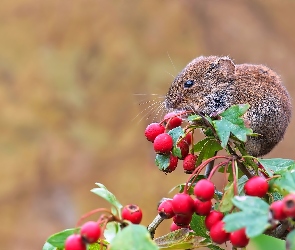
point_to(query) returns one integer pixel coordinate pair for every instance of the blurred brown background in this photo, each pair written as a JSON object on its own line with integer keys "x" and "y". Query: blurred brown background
{"x": 68, "y": 74}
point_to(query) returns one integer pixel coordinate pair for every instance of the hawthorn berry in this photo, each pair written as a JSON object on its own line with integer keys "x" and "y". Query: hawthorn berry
{"x": 188, "y": 138}
{"x": 172, "y": 120}
{"x": 75, "y": 242}
{"x": 132, "y": 213}
{"x": 204, "y": 190}
{"x": 163, "y": 143}
{"x": 289, "y": 205}
{"x": 174, "y": 227}
{"x": 184, "y": 148}
{"x": 153, "y": 130}
{"x": 202, "y": 207}
{"x": 239, "y": 238}
{"x": 276, "y": 209}
{"x": 189, "y": 163}
{"x": 90, "y": 231}
{"x": 165, "y": 209}
{"x": 183, "y": 204}
{"x": 182, "y": 220}
{"x": 212, "y": 218}
{"x": 172, "y": 164}
{"x": 256, "y": 186}
{"x": 218, "y": 234}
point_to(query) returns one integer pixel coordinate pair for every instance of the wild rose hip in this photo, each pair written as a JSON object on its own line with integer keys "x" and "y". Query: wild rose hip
{"x": 189, "y": 163}
{"x": 239, "y": 238}
{"x": 182, "y": 204}
{"x": 218, "y": 234}
{"x": 132, "y": 213}
{"x": 276, "y": 209}
{"x": 212, "y": 218}
{"x": 75, "y": 242}
{"x": 172, "y": 120}
{"x": 90, "y": 231}
{"x": 153, "y": 130}
{"x": 163, "y": 143}
{"x": 165, "y": 209}
{"x": 202, "y": 207}
{"x": 256, "y": 186}
{"x": 204, "y": 190}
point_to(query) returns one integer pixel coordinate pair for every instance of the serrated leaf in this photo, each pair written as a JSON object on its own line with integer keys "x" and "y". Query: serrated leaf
{"x": 208, "y": 150}
{"x": 285, "y": 183}
{"x": 290, "y": 241}
{"x": 48, "y": 246}
{"x": 277, "y": 165}
{"x": 232, "y": 123}
{"x": 58, "y": 239}
{"x": 266, "y": 242}
{"x": 226, "y": 203}
{"x": 241, "y": 183}
{"x": 176, "y": 133}
{"x": 103, "y": 192}
{"x": 198, "y": 225}
{"x": 253, "y": 216}
{"x": 133, "y": 237}
{"x": 162, "y": 161}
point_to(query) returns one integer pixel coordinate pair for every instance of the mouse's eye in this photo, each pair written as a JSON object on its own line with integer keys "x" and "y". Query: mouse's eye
{"x": 188, "y": 84}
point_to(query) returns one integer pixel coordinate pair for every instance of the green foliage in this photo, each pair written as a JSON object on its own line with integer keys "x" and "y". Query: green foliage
{"x": 290, "y": 241}
{"x": 162, "y": 161}
{"x": 277, "y": 165}
{"x": 58, "y": 240}
{"x": 253, "y": 216}
{"x": 266, "y": 242}
{"x": 232, "y": 123}
{"x": 133, "y": 237}
{"x": 226, "y": 203}
{"x": 285, "y": 183}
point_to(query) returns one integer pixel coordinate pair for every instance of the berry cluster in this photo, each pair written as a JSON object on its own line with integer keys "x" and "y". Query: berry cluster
{"x": 283, "y": 209}
{"x": 158, "y": 133}
{"x": 91, "y": 231}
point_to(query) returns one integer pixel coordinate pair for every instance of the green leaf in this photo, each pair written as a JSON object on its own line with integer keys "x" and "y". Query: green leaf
{"x": 107, "y": 195}
{"x": 97, "y": 246}
{"x": 208, "y": 148}
{"x": 179, "y": 239}
{"x": 198, "y": 225}
{"x": 176, "y": 133}
{"x": 241, "y": 183}
{"x": 200, "y": 144}
{"x": 194, "y": 118}
{"x": 133, "y": 237}
{"x": 176, "y": 151}
{"x": 48, "y": 246}
{"x": 232, "y": 123}
{"x": 58, "y": 239}
{"x": 162, "y": 161}
{"x": 226, "y": 203}
{"x": 266, "y": 242}
{"x": 253, "y": 216}
{"x": 285, "y": 183}
{"x": 277, "y": 165}
{"x": 290, "y": 241}
{"x": 112, "y": 229}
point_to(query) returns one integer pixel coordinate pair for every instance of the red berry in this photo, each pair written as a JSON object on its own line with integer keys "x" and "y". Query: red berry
{"x": 183, "y": 204}
{"x": 204, "y": 190}
{"x": 90, "y": 231}
{"x": 256, "y": 186}
{"x": 188, "y": 138}
{"x": 289, "y": 205}
{"x": 172, "y": 165}
{"x": 239, "y": 238}
{"x": 212, "y": 218}
{"x": 75, "y": 242}
{"x": 189, "y": 163}
{"x": 163, "y": 143}
{"x": 153, "y": 130}
{"x": 173, "y": 120}
{"x": 165, "y": 209}
{"x": 276, "y": 209}
{"x": 218, "y": 234}
{"x": 132, "y": 213}
{"x": 184, "y": 148}
{"x": 202, "y": 207}
{"x": 174, "y": 227}
{"x": 181, "y": 220}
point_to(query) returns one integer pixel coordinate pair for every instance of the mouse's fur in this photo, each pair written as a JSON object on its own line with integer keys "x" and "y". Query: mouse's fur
{"x": 218, "y": 84}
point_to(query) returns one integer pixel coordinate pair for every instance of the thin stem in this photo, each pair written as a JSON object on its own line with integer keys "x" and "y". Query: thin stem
{"x": 234, "y": 177}
{"x": 155, "y": 223}
{"x": 91, "y": 213}
{"x": 216, "y": 167}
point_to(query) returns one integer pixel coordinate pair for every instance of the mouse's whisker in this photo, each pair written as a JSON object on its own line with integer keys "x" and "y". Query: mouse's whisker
{"x": 148, "y": 109}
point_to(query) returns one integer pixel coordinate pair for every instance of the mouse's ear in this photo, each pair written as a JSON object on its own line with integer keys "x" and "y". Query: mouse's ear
{"x": 226, "y": 66}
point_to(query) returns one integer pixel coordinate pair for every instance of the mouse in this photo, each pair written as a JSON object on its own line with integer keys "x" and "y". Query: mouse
{"x": 211, "y": 84}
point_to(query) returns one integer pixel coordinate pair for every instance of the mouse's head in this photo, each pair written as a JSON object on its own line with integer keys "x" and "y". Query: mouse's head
{"x": 203, "y": 85}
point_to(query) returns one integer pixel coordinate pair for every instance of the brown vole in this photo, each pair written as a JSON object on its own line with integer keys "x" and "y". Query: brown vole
{"x": 212, "y": 84}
